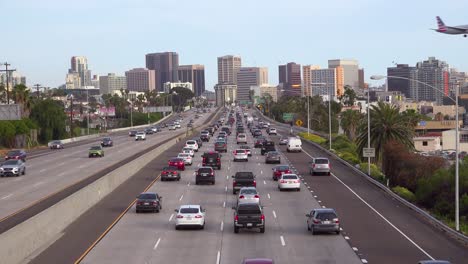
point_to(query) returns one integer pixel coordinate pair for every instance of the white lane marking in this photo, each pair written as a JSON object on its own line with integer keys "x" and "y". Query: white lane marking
{"x": 199, "y": 165}
{"x": 182, "y": 196}
{"x": 269, "y": 197}
{"x": 188, "y": 184}
{"x": 261, "y": 172}
{"x": 308, "y": 187}
{"x": 170, "y": 218}
{"x": 259, "y": 163}
{"x": 379, "y": 214}
{"x": 274, "y": 214}
{"x": 315, "y": 196}
{"x": 323, "y": 206}
{"x": 81, "y": 166}
{"x": 341, "y": 229}
{"x": 224, "y": 204}
{"x": 346, "y": 237}
{"x": 225, "y": 188}
{"x": 37, "y": 184}
{"x": 222, "y": 226}
{"x": 61, "y": 163}
{"x": 364, "y": 260}
{"x": 6, "y": 197}
{"x": 227, "y": 177}
{"x": 264, "y": 182}
{"x": 229, "y": 168}
{"x": 282, "y": 241}
{"x": 19, "y": 179}
{"x": 157, "y": 243}
{"x": 355, "y": 249}
{"x": 42, "y": 170}
{"x": 218, "y": 257}
{"x": 319, "y": 201}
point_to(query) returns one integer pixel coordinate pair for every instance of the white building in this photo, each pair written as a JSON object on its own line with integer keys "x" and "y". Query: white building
{"x": 170, "y": 85}
{"x": 326, "y": 77}
{"x": 350, "y": 69}
{"x": 110, "y": 82}
{"x": 225, "y": 94}
{"x": 269, "y": 89}
{"x": 427, "y": 143}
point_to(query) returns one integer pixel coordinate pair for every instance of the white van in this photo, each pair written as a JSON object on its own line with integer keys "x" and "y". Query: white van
{"x": 294, "y": 144}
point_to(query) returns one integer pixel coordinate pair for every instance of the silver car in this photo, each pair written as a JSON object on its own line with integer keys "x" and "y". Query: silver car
{"x": 319, "y": 165}
{"x": 13, "y": 168}
{"x": 323, "y": 220}
{"x": 248, "y": 195}
{"x": 240, "y": 154}
{"x": 283, "y": 141}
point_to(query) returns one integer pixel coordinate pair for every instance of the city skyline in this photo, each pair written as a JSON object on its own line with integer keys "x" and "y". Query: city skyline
{"x": 345, "y": 36}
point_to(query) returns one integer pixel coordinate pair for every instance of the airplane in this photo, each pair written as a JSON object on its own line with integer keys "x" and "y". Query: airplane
{"x": 457, "y": 30}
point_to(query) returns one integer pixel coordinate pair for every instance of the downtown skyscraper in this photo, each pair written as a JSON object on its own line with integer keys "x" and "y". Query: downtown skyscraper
{"x": 194, "y": 74}
{"x": 165, "y": 65}
{"x": 290, "y": 78}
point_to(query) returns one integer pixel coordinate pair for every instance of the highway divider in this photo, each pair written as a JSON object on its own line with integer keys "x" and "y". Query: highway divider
{"x": 34, "y": 234}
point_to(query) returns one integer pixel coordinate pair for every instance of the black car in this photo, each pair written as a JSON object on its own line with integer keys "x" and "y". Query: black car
{"x": 204, "y": 137}
{"x": 148, "y": 201}
{"x": 249, "y": 215}
{"x": 267, "y": 146}
{"x": 149, "y": 131}
{"x": 132, "y": 133}
{"x": 17, "y": 154}
{"x": 212, "y": 159}
{"x": 205, "y": 174}
{"x": 107, "y": 142}
{"x": 257, "y": 133}
{"x": 170, "y": 173}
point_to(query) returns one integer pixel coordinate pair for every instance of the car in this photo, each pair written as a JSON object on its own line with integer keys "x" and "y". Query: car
{"x": 13, "y": 167}
{"x": 16, "y": 154}
{"x": 243, "y": 179}
{"x": 140, "y": 136}
{"x": 257, "y": 133}
{"x": 289, "y": 182}
{"x": 96, "y": 151}
{"x": 248, "y": 195}
{"x": 187, "y": 158}
{"x": 177, "y": 124}
{"x": 220, "y": 146}
{"x": 272, "y": 131}
{"x": 177, "y": 162}
{"x": 199, "y": 142}
{"x": 132, "y": 133}
{"x": 323, "y": 220}
{"x": 319, "y": 165}
{"x": 155, "y": 129}
{"x": 212, "y": 159}
{"x": 190, "y": 215}
{"x": 248, "y": 215}
{"x": 247, "y": 149}
{"x": 107, "y": 142}
{"x": 192, "y": 144}
{"x": 435, "y": 261}
{"x": 55, "y": 144}
{"x": 283, "y": 141}
{"x": 240, "y": 154}
{"x": 258, "y": 261}
{"x": 294, "y": 144}
{"x": 148, "y": 131}
{"x": 205, "y": 137}
{"x": 272, "y": 157}
{"x": 170, "y": 173}
{"x": 279, "y": 170}
{"x": 148, "y": 201}
{"x": 205, "y": 174}
{"x": 189, "y": 125}
{"x": 223, "y": 134}
{"x": 189, "y": 151}
{"x": 259, "y": 142}
{"x": 222, "y": 138}
{"x": 171, "y": 127}
{"x": 267, "y": 146}
{"x": 241, "y": 138}
{"x": 227, "y": 130}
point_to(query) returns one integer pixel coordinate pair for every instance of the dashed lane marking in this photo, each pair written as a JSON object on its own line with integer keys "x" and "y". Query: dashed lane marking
{"x": 355, "y": 249}
{"x": 182, "y": 196}
{"x": 282, "y": 241}
{"x": 170, "y": 218}
{"x": 274, "y": 214}
{"x": 6, "y": 197}
{"x": 264, "y": 182}
{"x": 269, "y": 196}
{"x": 222, "y": 226}
{"x": 157, "y": 243}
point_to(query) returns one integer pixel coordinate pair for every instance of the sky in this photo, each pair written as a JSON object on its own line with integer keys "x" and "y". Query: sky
{"x": 38, "y": 38}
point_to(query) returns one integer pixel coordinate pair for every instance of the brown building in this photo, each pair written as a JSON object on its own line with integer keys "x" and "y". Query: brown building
{"x": 140, "y": 80}
{"x": 194, "y": 74}
{"x": 290, "y": 78}
{"x": 228, "y": 67}
{"x": 361, "y": 79}
{"x": 165, "y": 65}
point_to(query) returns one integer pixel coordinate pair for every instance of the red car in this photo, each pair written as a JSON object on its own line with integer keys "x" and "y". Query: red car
{"x": 177, "y": 162}
{"x": 258, "y": 261}
{"x": 280, "y": 169}
{"x": 170, "y": 173}
{"x": 17, "y": 154}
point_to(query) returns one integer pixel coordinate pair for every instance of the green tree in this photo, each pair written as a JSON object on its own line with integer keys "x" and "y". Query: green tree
{"x": 7, "y": 133}
{"x": 412, "y": 117}
{"x": 182, "y": 95}
{"x": 348, "y": 98}
{"x": 386, "y": 125}
{"x": 20, "y": 94}
{"x": 50, "y": 116}
{"x": 350, "y": 120}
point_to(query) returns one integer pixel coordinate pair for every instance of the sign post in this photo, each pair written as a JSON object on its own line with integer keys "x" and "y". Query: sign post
{"x": 299, "y": 122}
{"x": 368, "y": 152}
{"x": 288, "y": 117}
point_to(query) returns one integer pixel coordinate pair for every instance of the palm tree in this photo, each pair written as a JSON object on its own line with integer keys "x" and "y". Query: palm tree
{"x": 21, "y": 96}
{"x": 387, "y": 124}
{"x": 350, "y": 120}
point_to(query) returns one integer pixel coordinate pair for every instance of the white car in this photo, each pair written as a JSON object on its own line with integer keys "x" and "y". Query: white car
{"x": 248, "y": 195}
{"x": 289, "y": 181}
{"x": 189, "y": 151}
{"x": 240, "y": 154}
{"x": 187, "y": 158}
{"x": 192, "y": 144}
{"x": 171, "y": 127}
{"x": 272, "y": 131}
{"x": 177, "y": 124}
{"x": 190, "y": 215}
{"x": 140, "y": 136}
{"x": 241, "y": 138}
{"x": 154, "y": 129}
{"x": 294, "y": 144}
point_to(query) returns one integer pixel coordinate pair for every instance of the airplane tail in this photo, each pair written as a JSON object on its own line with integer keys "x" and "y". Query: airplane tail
{"x": 441, "y": 25}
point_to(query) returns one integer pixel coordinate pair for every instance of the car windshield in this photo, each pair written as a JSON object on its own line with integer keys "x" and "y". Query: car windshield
{"x": 326, "y": 216}
{"x": 96, "y": 148}
{"x": 11, "y": 162}
{"x": 241, "y": 136}
{"x": 176, "y": 160}
{"x": 240, "y": 151}
{"x": 248, "y": 191}
{"x": 170, "y": 168}
{"x": 321, "y": 161}
{"x": 184, "y": 155}
{"x": 147, "y": 196}
{"x": 273, "y": 153}
{"x": 189, "y": 211}
{"x": 57, "y": 142}
{"x": 106, "y": 139}
{"x": 244, "y": 175}
{"x": 290, "y": 177}
{"x": 190, "y": 142}
{"x": 282, "y": 168}
{"x": 14, "y": 153}
{"x": 244, "y": 147}
{"x": 210, "y": 155}
{"x": 204, "y": 170}
{"x": 249, "y": 209}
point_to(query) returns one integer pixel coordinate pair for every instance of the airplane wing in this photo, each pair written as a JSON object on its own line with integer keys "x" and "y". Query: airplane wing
{"x": 461, "y": 29}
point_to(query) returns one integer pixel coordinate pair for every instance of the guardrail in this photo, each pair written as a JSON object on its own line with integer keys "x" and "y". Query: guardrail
{"x": 428, "y": 217}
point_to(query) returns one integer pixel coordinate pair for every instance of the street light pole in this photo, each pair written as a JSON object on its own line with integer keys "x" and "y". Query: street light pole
{"x": 368, "y": 131}
{"x": 87, "y": 114}
{"x": 329, "y": 120}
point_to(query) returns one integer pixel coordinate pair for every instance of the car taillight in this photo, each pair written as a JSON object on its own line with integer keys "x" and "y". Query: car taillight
{"x": 316, "y": 221}
{"x": 236, "y": 218}
{"x": 255, "y": 183}
{"x": 212, "y": 173}
{"x": 296, "y": 181}
{"x": 262, "y": 217}
{"x": 154, "y": 203}
{"x": 17, "y": 157}
{"x": 282, "y": 181}
{"x": 180, "y": 216}
{"x": 198, "y": 216}
{"x": 204, "y": 159}
{"x": 313, "y": 165}
{"x": 336, "y": 220}
{"x": 180, "y": 163}
{"x": 241, "y": 197}
{"x": 256, "y": 196}
{"x": 164, "y": 172}
{"x": 288, "y": 171}
{"x": 234, "y": 183}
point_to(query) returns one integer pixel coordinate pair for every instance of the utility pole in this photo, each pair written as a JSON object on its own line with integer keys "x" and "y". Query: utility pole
{"x": 37, "y": 89}
{"x": 8, "y": 80}
{"x": 71, "y": 116}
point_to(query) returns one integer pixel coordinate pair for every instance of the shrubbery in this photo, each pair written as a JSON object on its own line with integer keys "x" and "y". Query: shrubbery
{"x": 404, "y": 193}
{"x": 312, "y": 137}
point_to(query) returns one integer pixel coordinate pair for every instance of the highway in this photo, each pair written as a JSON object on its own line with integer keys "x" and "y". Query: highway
{"x": 48, "y": 174}
{"x": 151, "y": 238}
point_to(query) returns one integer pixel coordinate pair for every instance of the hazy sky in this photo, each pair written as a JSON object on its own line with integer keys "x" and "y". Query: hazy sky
{"x": 39, "y": 37}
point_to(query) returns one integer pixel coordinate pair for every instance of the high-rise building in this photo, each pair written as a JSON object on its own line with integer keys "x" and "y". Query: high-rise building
{"x": 247, "y": 77}
{"x": 290, "y": 78}
{"x": 266, "y": 89}
{"x": 141, "y": 80}
{"x": 324, "y": 82}
{"x": 350, "y": 71}
{"x": 194, "y": 74}
{"x": 361, "y": 84}
{"x": 79, "y": 65}
{"x": 398, "y": 84}
{"x": 228, "y": 66}
{"x": 434, "y": 73}
{"x": 95, "y": 81}
{"x": 72, "y": 81}
{"x": 225, "y": 94}
{"x": 165, "y": 65}
{"x": 169, "y": 86}
{"x": 110, "y": 83}
{"x": 306, "y": 82}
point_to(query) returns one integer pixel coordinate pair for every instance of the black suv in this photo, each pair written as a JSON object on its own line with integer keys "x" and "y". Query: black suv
{"x": 243, "y": 179}
{"x": 205, "y": 174}
{"x": 212, "y": 159}
{"x": 267, "y": 147}
{"x": 248, "y": 215}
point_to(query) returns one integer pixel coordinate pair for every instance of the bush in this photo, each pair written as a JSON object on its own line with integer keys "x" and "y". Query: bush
{"x": 404, "y": 193}
{"x": 312, "y": 137}
{"x": 349, "y": 157}
{"x": 375, "y": 172}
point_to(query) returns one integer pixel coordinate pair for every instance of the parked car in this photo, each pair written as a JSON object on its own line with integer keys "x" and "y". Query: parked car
{"x": 170, "y": 173}
{"x": 289, "y": 182}
{"x": 17, "y": 154}
{"x": 148, "y": 201}
{"x": 240, "y": 154}
{"x": 186, "y": 157}
{"x": 107, "y": 142}
{"x": 56, "y": 144}
{"x": 248, "y": 215}
{"x": 248, "y": 195}
{"x": 319, "y": 165}
{"x": 190, "y": 215}
{"x": 323, "y": 220}
{"x": 132, "y": 133}
{"x": 205, "y": 174}
{"x": 177, "y": 162}
{"x": 272, "y": 157}
{"x": 211, "y": 159}
{"x": 140, "y": 136}
{"x": 13, "y": 167}
{"x": 96, "y": 151}
{"x": 279, "y": 170}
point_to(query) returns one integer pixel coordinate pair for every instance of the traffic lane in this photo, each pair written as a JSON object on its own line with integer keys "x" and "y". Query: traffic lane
{"x": 333, "y": 192}
{"x": 38, "y": 183}
{"x": 410, "y": 223}
{"x": 132, "y": 236}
